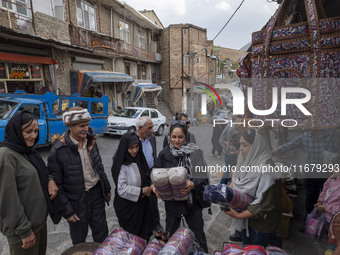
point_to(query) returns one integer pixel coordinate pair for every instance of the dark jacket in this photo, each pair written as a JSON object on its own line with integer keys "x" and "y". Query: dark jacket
{"x": 153, "y": 145}
{"x": 167, "y": 160}
{"x": 64, "y": 164}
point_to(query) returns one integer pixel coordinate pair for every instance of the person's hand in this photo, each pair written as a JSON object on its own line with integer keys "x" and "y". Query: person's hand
{"x": 108, "y": 198}
{"x": 52, "y": 189}
{"x": 235, "y": 152}
{"x": 74, "y": 218}
{"x": 154, "y": 190}
{"x": 275, "y": 153}
{"x": 29, "y": 241}
{"x": 146, "y": 191}
{"x": 320, "y": 208}
{"x": 188, "y": 187}
{"x": 232, "y": 213}
{"x": 318, "y": 203}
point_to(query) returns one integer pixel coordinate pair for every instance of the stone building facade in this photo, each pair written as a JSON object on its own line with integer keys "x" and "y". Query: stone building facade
{"x": 70, "y": 36}
{"x": 186, "y": 60}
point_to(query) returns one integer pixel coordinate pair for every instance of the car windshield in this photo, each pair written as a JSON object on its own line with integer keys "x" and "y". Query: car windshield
{"x": 128, "y": 113}
{"x": 6, "y": 108}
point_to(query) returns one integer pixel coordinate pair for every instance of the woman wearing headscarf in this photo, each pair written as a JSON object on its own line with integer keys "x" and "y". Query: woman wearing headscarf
{"x": 260, "y": 220}
{"x": 178, "y": 152}
{"x": 26, "y": 190}
{"x": 130, "y": 173}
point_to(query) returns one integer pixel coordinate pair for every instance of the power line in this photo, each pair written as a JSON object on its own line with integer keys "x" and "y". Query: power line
{"x": 223, "y": 26}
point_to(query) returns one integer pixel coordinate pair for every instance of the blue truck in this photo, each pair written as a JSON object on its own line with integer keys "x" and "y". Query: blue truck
{"x": 48, "y": 109}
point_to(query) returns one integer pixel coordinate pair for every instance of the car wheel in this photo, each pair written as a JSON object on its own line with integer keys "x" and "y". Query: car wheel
{"x": 132, "y": 129}
{"x": 160, "y": 130}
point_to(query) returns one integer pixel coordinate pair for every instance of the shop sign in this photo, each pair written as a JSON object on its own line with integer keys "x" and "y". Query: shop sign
{"x": 18, "y": 71}
{"x": 35, "y": 72}
{"x": 2, "y": 71}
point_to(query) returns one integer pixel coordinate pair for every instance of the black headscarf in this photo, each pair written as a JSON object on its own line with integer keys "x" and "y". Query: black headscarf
{"x": 123, "y": 157}
{"x": 15, "y": 141}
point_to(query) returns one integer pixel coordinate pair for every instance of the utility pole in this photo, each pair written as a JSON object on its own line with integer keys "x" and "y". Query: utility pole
{"x": 192, "y": 82}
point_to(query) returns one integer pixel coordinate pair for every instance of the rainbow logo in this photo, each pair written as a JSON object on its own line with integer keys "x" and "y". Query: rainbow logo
{"x": 209, "y": 93}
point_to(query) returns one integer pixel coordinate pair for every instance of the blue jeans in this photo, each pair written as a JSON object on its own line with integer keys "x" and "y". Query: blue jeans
{"x": 257, "y": 238}
{"x": 229, "y": 160}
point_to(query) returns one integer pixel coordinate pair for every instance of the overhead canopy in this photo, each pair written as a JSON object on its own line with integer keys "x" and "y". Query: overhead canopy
{"x": 141, "y": 88}
{"x": 86, "y": 78}
{"x": 26, "y": 59}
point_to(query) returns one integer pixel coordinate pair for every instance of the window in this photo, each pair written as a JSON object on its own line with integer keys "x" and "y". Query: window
{"x": 17, "y": 6}
{"x": 198, "y": 60}
{"x": 35, "y": 72}
{"x": 97, "y": 108}
{"x": 2, "y": 71}
{"x": 186, "y": 60}
{"x": 86, "y": 15}
{"x": 33, "y": 108}
{"x": 145, "y": 113}
{"x": 124, "y": 31}
{"x": 154, "y": 114}
{"x": 141, "y": 39}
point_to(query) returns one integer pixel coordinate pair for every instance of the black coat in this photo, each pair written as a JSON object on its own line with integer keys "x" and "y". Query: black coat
{"x": 177, "y": 208}
{"x": 64, "y": 164}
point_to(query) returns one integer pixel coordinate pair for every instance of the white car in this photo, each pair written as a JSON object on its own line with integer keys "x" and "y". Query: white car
{"x": 125, "y": 120}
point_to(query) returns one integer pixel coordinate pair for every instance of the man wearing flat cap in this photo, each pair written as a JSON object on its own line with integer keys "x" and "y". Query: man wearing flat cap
{"x": 76, "y": 166}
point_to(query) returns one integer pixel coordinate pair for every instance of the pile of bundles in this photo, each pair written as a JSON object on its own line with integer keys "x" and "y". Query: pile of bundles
{"x": 120, "y": 242}
{"x": 227, "y": 196}
{"x": 234, "y": 249}
{"x": 169, "y": 183}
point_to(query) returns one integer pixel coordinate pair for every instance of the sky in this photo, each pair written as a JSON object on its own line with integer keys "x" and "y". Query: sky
{"x": 212, "y": 15}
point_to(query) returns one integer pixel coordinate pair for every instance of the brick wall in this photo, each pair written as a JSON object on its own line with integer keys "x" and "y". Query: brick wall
{"x": 63, "y": 72}
{"x": 194, "y": 40}
{"x": 51, "y": 28}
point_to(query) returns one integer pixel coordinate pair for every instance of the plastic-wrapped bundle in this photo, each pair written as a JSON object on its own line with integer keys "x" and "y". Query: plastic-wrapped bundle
{"x": 223, "y": 195}
{"x": 275, "y": 251}
{"x": 120, "y": 242}
{"x": 198, "y": 253}
{"x": 178, "y": 179}
{"x": 254, "y": 250}
{"x": 153, "y": 247}
{"x": 113, "y": 242}
{"x": 160, "y": 179}
{"x": 134, "y": 246}
{"x": 180, "y": 243}
{"x": 232, "y": 249}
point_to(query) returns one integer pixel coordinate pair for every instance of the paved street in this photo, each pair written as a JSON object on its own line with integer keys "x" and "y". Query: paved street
{"x": 218, "y": 226}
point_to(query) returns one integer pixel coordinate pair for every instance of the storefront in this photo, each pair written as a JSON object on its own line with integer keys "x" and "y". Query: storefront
{"x": 97, "y": 83}
{"x": 23, "y": 72}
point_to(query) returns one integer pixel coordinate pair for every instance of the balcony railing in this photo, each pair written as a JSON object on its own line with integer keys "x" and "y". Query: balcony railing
{"x": 92, "y": 40}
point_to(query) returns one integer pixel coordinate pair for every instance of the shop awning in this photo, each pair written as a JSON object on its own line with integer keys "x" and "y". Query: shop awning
{"x": 86, "y": 78}
{"x": 26, "y": 59}
{"x": 141, "y": 88}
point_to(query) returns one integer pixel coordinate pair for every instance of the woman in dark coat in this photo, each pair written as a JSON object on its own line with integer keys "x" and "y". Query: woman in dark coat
{"x": 188, "y": 155}
{"x": 26, "y": 190}
{"x": 132, "y": 193}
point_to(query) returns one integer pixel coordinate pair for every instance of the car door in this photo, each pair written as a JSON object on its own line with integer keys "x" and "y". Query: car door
{"x": 156, "y": 121}
{"x": 39, "y": 113}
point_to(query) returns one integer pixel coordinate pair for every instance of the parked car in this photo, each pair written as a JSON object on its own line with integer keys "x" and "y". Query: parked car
{"x": 125, "y": 120}
{"x": 223, "y": 113}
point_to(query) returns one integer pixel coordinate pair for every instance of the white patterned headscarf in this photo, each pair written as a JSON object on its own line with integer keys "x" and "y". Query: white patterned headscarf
{"x": 253, "y": 183}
